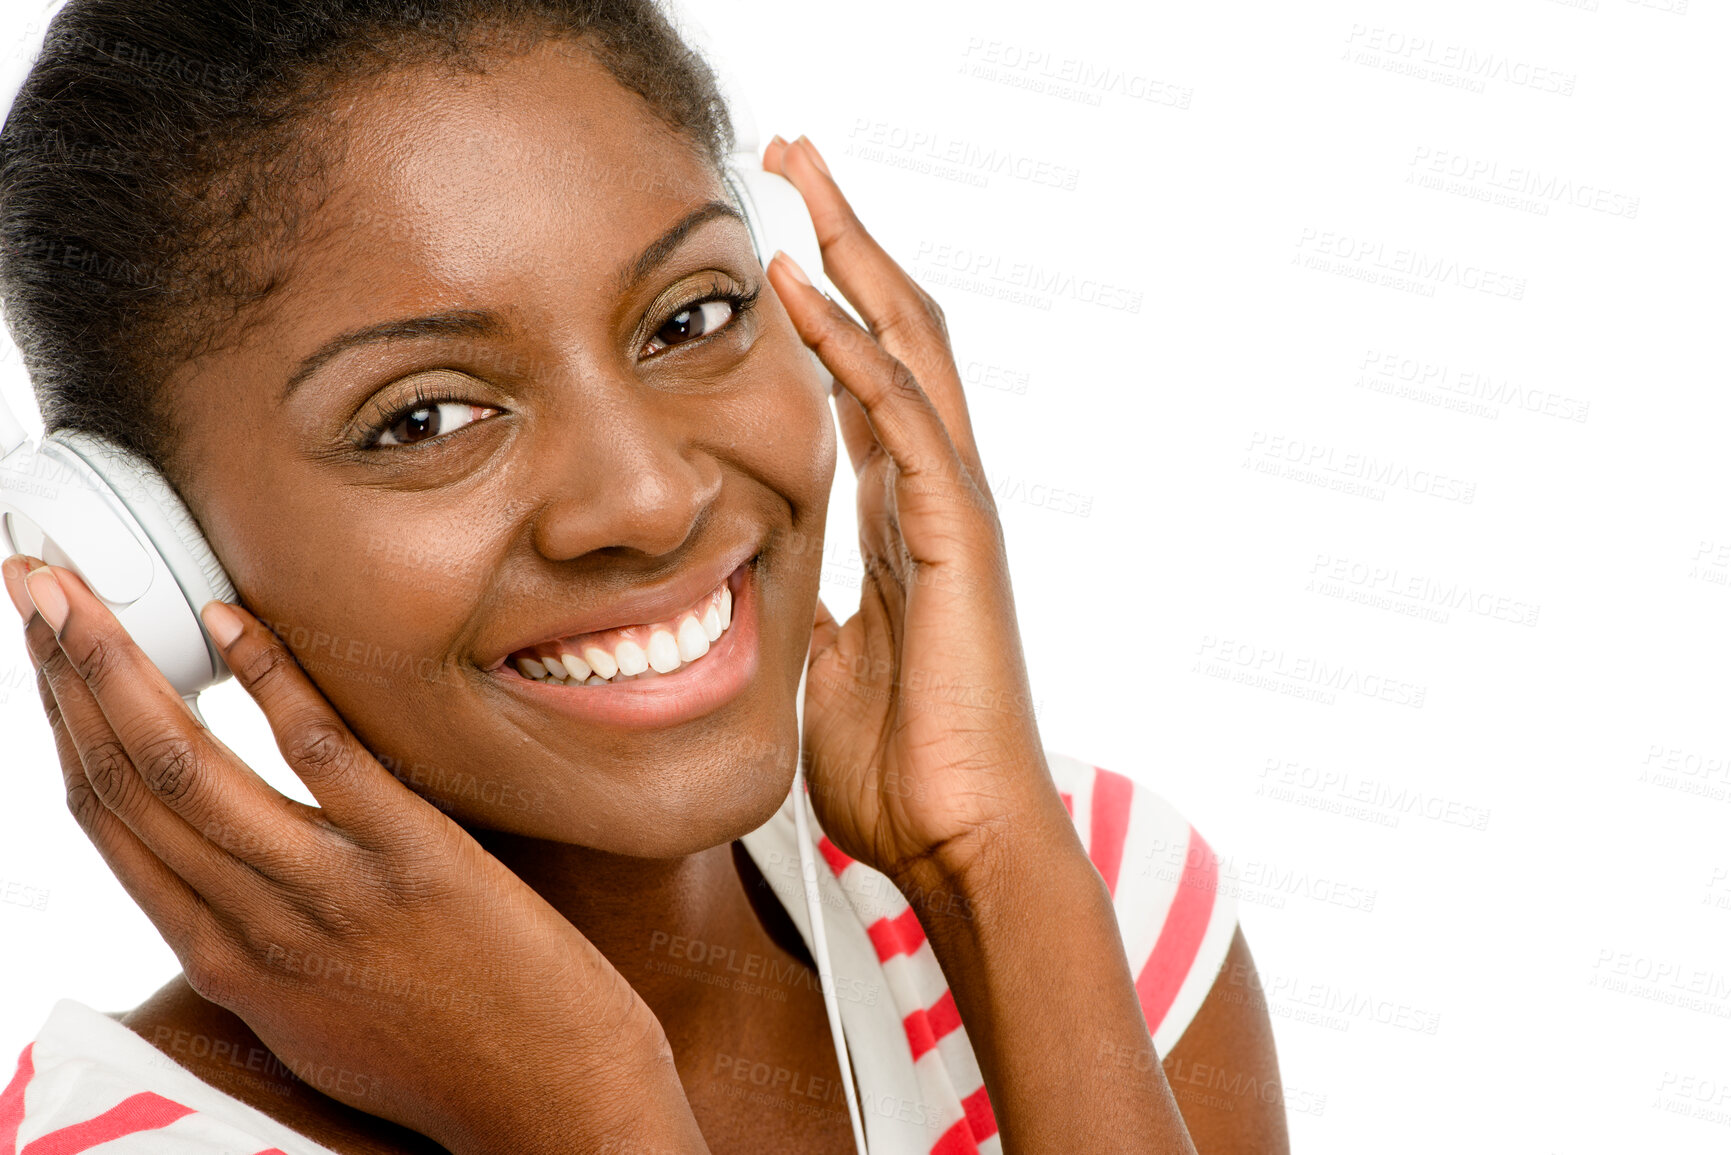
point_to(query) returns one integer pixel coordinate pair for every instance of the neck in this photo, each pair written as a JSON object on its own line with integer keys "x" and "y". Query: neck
{"x": 674, "y": 928}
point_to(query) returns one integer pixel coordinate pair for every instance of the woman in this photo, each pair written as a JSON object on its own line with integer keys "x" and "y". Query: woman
{"x": 437, "y": 316}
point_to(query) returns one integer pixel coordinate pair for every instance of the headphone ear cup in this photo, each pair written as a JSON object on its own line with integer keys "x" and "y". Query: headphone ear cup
{"x": 776, "y": 214}
{"x": 165, "y": 520}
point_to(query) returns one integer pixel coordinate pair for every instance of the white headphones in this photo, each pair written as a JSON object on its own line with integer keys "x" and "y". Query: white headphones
{"x": 90, "y": 506}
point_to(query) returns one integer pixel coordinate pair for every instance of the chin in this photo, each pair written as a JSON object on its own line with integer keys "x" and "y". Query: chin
{"x": 660, "y": 798}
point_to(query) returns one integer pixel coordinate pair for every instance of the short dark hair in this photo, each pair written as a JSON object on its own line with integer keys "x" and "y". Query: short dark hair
{"x": 160, "y": 150}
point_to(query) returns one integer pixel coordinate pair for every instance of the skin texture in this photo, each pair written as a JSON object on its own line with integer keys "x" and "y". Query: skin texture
{"x": 555, "y": 850}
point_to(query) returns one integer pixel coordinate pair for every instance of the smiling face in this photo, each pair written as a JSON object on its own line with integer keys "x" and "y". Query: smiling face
{"x": 515, "y": 394}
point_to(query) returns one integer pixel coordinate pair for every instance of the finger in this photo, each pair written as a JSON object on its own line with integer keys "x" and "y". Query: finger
{"x": 900, "y": 314}
{"x": 856, "y": 434}
{"x": 772, "y": 153}
{"x": 14, "y": 568}
{"x": 825, "y": 629}
{"x": 193, "y": 803}
{"x": 936, "y": 498}
{"x": 874, "y": 476}
{"x": 164, "y": 896}
{"x": 111, "y": 776}
{"x": 356, "y": 792}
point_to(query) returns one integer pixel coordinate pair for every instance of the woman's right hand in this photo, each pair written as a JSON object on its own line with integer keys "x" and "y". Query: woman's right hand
{"x": 369, "y": 939}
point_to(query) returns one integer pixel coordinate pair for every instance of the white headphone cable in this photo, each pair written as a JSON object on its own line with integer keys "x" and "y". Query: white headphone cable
{"x": 814, "y": 912}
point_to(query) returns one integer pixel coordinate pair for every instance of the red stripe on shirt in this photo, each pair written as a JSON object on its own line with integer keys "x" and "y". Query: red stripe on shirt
{"x": 943, "y": 1015}
{"x": 1108, "y": 820}
{"x": 920, "y": 1037}
{"x": 1069, "y": 803}
{"x": 981, "y": 1121}
{"x": 832, "y": 854}
{"x": 1181, "y": 936}
{"x": 902, "y": 934}
{"x": 958, "y": 1140}
{"x": 926, "y": 1027}
{"x": 12, "y": 1100}
{"x": 145, "y": 1111}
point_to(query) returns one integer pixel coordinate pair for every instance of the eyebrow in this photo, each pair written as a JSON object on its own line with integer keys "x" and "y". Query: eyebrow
{"x": 661, "y": 248}
{"x": 472, "y": 323}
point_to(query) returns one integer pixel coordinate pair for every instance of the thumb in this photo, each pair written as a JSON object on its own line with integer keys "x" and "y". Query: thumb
{"x": 824, "y": 631}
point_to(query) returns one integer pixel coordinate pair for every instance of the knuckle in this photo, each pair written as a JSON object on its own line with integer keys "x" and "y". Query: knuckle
{"x": 848, "y": 230}
{"x": 206, "y": 969}
{"x": 318, "y": 746}
{"x": 835, "y": 339}
{"x": 170, "y": 768}
{"x": 106, "y": 766}
{"x": 922, "y": 318}
{"x": 935, "y": 317}
{"x": 265, "y": 665}
{"x": 83, "y": 802}
{"x": 97, "y": 664}
{"x": 902, "y": 380}
{"x": 331, "y": 918}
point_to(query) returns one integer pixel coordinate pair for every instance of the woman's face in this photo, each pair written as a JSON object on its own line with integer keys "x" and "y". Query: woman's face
{"x": 539, "y": 436}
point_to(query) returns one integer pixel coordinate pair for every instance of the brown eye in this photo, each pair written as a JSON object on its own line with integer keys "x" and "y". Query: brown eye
{"x": 428, "y": 421}
{"x": 689, "y": 323}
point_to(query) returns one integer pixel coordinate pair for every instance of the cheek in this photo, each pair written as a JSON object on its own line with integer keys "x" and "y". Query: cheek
{"x": 368, "y": 595}
{"x": 790, "y": 441}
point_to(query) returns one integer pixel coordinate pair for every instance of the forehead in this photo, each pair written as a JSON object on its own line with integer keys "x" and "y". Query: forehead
{"x": 540, "y": 176}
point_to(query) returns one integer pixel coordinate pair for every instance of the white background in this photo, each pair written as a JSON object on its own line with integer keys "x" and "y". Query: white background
{"x": 1482, "y": 861}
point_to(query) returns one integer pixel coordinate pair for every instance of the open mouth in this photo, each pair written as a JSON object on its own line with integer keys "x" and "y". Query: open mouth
{"x": 632, "y": 653}
{"x": 649, "y": 675}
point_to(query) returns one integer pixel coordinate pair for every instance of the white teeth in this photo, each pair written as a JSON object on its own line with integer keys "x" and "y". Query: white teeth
{"x": 663, "y": 652}
{"x": 631, "y": 658}
{"x": 693, "y": 641}
{"x": 668, "y": 649}
{"x": 600, "y": 661}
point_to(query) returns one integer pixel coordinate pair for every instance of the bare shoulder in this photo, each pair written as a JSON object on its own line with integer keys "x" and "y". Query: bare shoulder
{"x": 1223, "y": 1070}
{"x": 219, "y": 1048}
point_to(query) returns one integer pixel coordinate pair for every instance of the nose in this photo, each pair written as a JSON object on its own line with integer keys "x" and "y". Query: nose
{"x": 623, "y": 475}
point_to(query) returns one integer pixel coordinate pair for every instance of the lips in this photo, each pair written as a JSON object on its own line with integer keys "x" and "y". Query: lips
{"x": 652, "y": 700}
{"x": 645, "y": 606}
{"x": 607, "y": 656}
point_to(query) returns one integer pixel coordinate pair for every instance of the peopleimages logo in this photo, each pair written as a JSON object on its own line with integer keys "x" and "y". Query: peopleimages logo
{"x": 1351, "y": 471}
{"x": 1458, "y": 64}
{"x": 959, "y": 266}
{"x": 1522, "y": 181}
{"x": 1371, "y": 257}
{"x": 1302, "y": 675}
{"x": 940, "y": 154}
{"x": 1461, "y": 387}
{"x": 1066, "y": 77}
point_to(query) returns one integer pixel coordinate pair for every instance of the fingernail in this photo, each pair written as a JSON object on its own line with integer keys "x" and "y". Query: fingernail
{"x": 14, "y": 569}
{"x": 793, "y": 267}
{"x": 48, "y": 597}
{"x": 222, "y": 622}
{"x": 816, "y": 156}
{"x": 776, "y": 139}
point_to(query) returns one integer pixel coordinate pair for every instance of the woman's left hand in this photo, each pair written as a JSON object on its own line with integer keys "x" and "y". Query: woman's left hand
{"x": 918, "y": 721}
